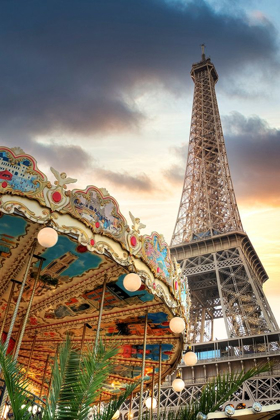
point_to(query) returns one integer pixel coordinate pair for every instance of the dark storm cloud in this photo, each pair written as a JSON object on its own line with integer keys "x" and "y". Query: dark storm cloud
{"x": 70, "y": 158}
{"x": 141, "y": 182}
{"x": 253, "y": 151}
{"x": 76, "y": 66}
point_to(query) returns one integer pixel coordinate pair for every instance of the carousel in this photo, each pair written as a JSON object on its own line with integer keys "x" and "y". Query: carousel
{"x": 72, "y": 265}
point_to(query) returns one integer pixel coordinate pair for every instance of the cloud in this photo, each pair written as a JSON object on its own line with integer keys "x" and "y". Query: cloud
{"x": 69, "y": 158}
{"x": 138, "y": 183}
{"x": 181, "y": 151}
{"x": 77, "y": 66}
{"x": 175, "y": 174}
{"x": 253, "y": 151}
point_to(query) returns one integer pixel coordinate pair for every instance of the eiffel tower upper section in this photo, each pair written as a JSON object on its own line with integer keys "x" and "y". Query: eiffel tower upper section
{"x": 208, "y": 205}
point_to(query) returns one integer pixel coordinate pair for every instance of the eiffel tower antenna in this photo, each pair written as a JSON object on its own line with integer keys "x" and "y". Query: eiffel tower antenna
{"x": 203, "y": 58}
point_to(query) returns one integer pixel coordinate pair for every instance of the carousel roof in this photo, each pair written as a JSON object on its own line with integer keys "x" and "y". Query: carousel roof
{"x": 94, "y": 241}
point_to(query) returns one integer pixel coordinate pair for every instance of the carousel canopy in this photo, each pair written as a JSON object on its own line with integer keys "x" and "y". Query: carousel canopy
{"x": 94, "y": 241}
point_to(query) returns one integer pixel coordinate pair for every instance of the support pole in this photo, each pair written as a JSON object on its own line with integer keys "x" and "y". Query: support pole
{"x": 152, "y": 395}
{"x": 20, "y": 294}
{"x": 18, "y": 334}
{"x": 44, "y": 376}
{"x": 202, "y": 328}
{"x": 29, "y": 307}
{"x": 100, "y": 313}
{"x": 14, "y": 282}
{"x": 84, "y": 334}
{"x": 159, "y": 381}
{"x": 143, "y": 367}
{"x": 99, "y": 404}
{"x": 30, "y": 355}
{"x": 51, "y": 378}
{"x": 130, "y": 415}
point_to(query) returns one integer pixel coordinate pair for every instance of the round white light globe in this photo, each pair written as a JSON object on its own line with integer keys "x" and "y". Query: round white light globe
{"x": 256, "y": 407}
{"x": 177, "y": 325}
{"x": 116, "y": 415}
{"x": 132, "y": 282}
{"x": 201, "y": 416}
{"x": 178, "y": 385}
{"x": 148, "y": 402}
{"x": 47, "y": 237}
{"x": 229, "y": 411}
{"x": 190, "y": 358}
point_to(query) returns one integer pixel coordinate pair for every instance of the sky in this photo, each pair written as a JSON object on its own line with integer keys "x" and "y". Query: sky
{"x": 101, "y": 89}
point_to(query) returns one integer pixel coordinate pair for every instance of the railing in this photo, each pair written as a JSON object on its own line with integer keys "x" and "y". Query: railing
{"x": 226, "y": 356}
{"x": 35, "y": 409}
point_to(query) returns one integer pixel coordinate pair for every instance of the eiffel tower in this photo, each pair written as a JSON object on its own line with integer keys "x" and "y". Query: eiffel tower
{"x": 224, "y": 273}
{"x": 223, "y": 270}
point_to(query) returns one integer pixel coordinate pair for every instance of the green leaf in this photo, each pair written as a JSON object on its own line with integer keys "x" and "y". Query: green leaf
{"x": 77, "y": 381}
{"x": 16, "y": 385}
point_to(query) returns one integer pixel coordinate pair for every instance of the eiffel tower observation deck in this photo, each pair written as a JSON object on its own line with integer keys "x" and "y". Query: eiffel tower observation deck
{"x": 223, "y": 270}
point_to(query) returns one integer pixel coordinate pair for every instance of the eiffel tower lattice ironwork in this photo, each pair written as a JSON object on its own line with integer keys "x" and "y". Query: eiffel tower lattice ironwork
{"x": 224, "y": 273}
{"x": 208, "y": 206}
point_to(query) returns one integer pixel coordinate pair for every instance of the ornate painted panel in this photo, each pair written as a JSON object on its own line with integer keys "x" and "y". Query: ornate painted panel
{"x": 94, "y": 242}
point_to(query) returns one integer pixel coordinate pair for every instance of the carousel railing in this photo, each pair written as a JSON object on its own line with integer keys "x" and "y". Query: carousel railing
{"x": 36, "y": 405}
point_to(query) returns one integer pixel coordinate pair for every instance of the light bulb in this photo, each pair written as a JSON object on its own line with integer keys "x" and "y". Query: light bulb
{"x": 177, "y": 325}
{"x": 6, "y": 411}
{"x": 47, "y": 237}
{"x": 132, "y": 282}
{"x": 201, "y": 416}
{"x": 229, "y": 411}
{"x": 256, "y": 407}
{"x": 148, "y": 402}
{"x": 178, "y": 385}
{"x": 116, "y": 415}
{"x": 190, "y": 358}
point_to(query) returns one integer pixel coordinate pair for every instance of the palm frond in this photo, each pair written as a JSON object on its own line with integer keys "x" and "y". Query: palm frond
{"x": 115, "y": 404}
{"x": 95, "y": 369}
{"x": 77, "y": 381}
{"x": 231, "y": 384}
{"x": 216, "y": 392}
{"x": 16, "y": 385}
{"x": 65, "y": 370}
